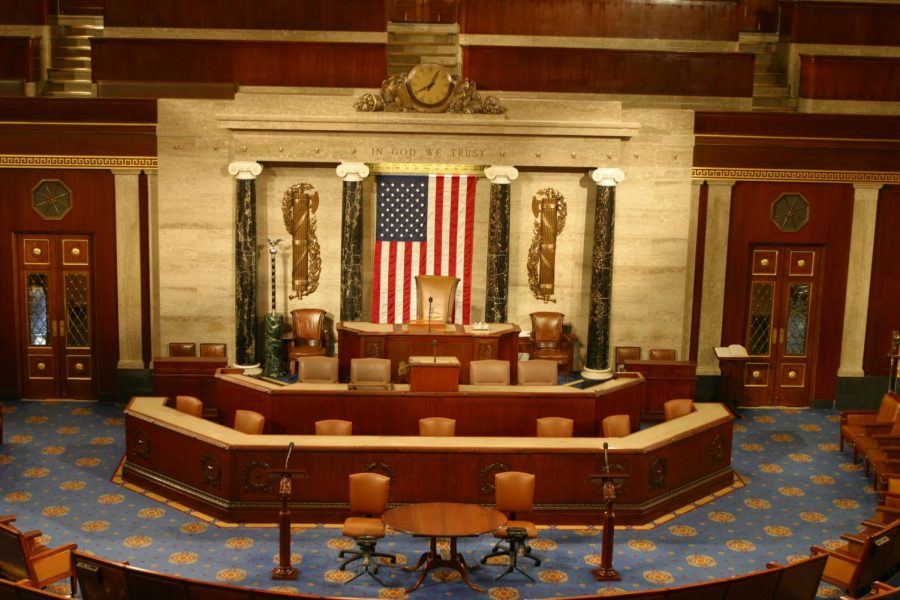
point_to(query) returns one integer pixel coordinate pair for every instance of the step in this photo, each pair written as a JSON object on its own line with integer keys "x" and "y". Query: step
{"x": 72, "y": 62}
{"x": 68, "y": 94}
{"x": 68, "y": 86}
{"x": 423, "y": 27}
{"x": 397, "y": 38}
{"x": 422, "y": 49}
{"x": 775, "y": 103}
{"x": 770, "y": 91}
{"x": 69, "y": 74}
{"x": 769, "y": 78}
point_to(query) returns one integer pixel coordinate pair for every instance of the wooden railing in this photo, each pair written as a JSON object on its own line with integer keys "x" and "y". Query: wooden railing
{"x": 852, "y": 23}
{"x": 17, "y": 12}
{"x": 860, "y": 78}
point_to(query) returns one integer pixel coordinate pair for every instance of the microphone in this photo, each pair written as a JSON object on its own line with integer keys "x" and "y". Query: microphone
{"x": 434, "y": 350}
{"x": 606, "y": 457}
{"x": 430, "y": 300}
{"x": 290, "y": 448}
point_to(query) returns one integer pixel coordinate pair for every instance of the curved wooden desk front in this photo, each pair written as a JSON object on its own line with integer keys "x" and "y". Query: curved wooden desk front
{"x": 222, "y": 472}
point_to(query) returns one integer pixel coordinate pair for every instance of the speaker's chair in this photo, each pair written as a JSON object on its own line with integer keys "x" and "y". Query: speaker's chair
{"x": 442, "y": 291}
{"x": 309, "y": 334}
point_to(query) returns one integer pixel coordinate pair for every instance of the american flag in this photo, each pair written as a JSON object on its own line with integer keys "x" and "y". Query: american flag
{"x": 424, "y": 227}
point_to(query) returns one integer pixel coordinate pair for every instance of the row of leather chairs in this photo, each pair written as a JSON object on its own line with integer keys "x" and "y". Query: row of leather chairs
{"x": 190, "y": 349}
{"x": 874, "y": 436}
{"x": 624, "y": 353}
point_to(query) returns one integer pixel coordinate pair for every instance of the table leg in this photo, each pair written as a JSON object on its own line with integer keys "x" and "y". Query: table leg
{"x": 432, "y": 560}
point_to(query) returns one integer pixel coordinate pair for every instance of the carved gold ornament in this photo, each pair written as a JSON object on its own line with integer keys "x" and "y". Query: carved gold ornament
{"x": 300, "y": 203}
{"x": 549, "y": 208}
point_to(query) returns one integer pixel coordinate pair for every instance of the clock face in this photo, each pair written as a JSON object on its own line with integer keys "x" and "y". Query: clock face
{"x": 51, "y": 199}
{"x": 429, "y": 84}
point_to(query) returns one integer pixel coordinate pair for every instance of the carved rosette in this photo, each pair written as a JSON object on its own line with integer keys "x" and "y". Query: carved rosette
{"x": 210, "y": 470}
{"x": 717, "y": 450}
{"x": 140, "y": 445}
{"x": 621, "y": 485}
{"x": 486, "y": 477}
{"x": 299, "y": 205}
{"x": 373, "y": 350}
{"x": 549, "y": 207}
{"x": 656, "y": 477}
{"x": 486, "y": 352}
{"x": 382, "y": 469}
{"x": 394, "y": 97}
{"x": 255, "y": 479}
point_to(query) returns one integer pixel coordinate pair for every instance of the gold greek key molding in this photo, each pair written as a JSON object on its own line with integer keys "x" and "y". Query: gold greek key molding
{"x": 796, "y": 175}
{"x": 426, "y": 168}
{"x": 22, "y": 161}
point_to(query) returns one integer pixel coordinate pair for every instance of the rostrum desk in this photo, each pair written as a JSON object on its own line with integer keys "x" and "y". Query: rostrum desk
{"x": 400, "y": 341}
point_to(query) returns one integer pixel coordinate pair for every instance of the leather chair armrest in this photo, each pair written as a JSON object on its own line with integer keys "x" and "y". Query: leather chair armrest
{"x": 876, "y": 427}
{"x": 856, "y": 416}
{"x": 7, "y": 519}
{"x": 53, "y": 551}
{"x": 837, "y": 554}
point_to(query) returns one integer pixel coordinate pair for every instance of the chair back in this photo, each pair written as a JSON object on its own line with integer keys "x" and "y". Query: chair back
{"x": 677, "y": 408}
{"x": 442, "y": 291}
{"x": 888, "y": 409}
{"x": 13, "y": 552}
{"x": 616, "y": 426}
{"x": 370, "y": 371}
{"x": 249, "y": 421}
{"x": 190, "y": 405}
{"x": 317, "y": 369}
{"x": 661, "y": 354}
{"x": 489, "y": 372}
{"x": 369, "y": 493}
{"x": 100, "y": 578}
{"x": 546, "y": 329}
{"x": 624, "y": 353}
{"x": 437, "y": 427}
{"x": 555, "y": 427}
{"x": 182, "y": 349}
{"x": 309, "y": 326}
{"x": 513, "y": 492}
{"x": 537, "y": 372}
{"x": 213, "y": 349}
{"x": 334, "y": 427}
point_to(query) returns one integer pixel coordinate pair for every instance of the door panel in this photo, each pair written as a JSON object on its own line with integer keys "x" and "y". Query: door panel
{"x": 779, "y": 333}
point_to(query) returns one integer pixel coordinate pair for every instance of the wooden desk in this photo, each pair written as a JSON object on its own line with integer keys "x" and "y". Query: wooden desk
{"x": 443, "y": 520}
{"x": 433, "y": 374}
{"x": 398, "y": 343}
{"x": 189, "y": 376}
{"x": 666, "y": 380}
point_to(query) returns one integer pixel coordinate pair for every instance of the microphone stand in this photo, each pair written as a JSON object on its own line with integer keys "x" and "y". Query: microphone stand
{"x": 285, "y": 570}
{"x": 606, "y": 479}
{"x": 430, "y": 300}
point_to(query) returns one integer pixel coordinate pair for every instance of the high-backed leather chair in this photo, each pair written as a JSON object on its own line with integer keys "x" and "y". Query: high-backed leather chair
{"x": 182, "y": 349}
{"x": 309, "y": 334}
{"x": 661, "y": 354}
{"x": 555, "y": 427}
{"x": 442, "y": 291}
{"x": 22, "y": 558}
{"x": 489, "y": 372}
{"x": 190, "y": 405}
{"x": 548, "y": 341}
{"x": 677, "y": 408}
{"x": 370, "y": 372}
{"x": 514, "y": 494}
{"x": 213, "y": 349}
{"x": 317, "y": 369}
{"x": 334, "y": 427}
{"x": 437, "y": 427}
{"x": 624, "y": 353}
{"x": 616, "y": 426}
{"x": 537, "y": 372}
{"x": 249, "y": 421}
{"x": 368, "y": 500}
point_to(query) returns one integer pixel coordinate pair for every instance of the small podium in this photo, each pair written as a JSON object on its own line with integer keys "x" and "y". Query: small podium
{"x": 285, "y": 570}
{"x": 607, "y": 480}
{"x": 433, "y": 373}
{"x": 732, "y": 362}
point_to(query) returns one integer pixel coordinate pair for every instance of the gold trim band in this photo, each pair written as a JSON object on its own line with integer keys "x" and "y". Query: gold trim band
{"x": 21, "y": 161}
{"x": 885, "y": 177}
{"x": 441, "y": 169}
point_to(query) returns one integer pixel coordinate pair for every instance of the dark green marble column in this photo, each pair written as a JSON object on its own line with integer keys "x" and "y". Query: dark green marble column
{"x": 597, "y": 360}
{"x": 245, "y": 259}
{"x": 351, "y": 239}
{"x": 497, "y": 287}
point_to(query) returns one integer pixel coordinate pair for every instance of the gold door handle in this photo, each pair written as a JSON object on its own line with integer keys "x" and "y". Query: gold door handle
{"x": 781, "y": 336}
{"x": 54, "y": 329}
{"x": 62, "y": 328}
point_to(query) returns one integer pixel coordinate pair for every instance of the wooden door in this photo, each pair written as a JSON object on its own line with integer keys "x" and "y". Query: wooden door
{"x": 781, "y": 326}
{"x": 55, "y": 311}
{"x": 759, "y": 15}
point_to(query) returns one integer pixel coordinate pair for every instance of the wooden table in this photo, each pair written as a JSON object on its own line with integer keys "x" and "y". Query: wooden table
{"x": 443, "y": 520}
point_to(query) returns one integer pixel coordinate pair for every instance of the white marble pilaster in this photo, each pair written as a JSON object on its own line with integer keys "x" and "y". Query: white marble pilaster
{"x": 718, "y": 214}
{"x": 128, "y": 267}
{"x": 859, "y": 274}
{"x": 501, "y": 174}
{"x": 153, "y": 229}
{"x": 352, "y": 171}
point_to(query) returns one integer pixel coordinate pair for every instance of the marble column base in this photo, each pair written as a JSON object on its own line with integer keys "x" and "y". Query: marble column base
{"x": 596, "y": 374}
{"x": 253, "y": 369}
{"x": 274, "y": 348}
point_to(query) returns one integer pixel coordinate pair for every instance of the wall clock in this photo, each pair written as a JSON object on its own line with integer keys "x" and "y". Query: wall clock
{"x": 429, "y": 84}
{"x": 51, "y": 199}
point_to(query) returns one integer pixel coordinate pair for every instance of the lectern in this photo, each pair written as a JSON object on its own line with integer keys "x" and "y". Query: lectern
{"x": 608, "y": 481}
{"x": 732, "y": 361}
{"x": 433, "y": 374}
{"x": 285, "y": 570}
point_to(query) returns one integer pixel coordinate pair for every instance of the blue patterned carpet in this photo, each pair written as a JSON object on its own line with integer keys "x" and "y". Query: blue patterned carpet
{"x": 58, "y": 462}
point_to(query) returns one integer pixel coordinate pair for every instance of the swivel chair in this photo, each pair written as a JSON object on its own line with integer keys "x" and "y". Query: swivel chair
{"x": 190, "y": 405}
{"x": 559, "y": 427}
{"x": 437, "y": 427}
{"x": 441, "y": 289}
{"x": 249, "y": 421}
{"x": 334, "y": 427}
{"x": 489, "y": 372}
{"x": 661, "y": 354}
{"x": 677, "y": 408}
{"x": 373, "y": 373}
{"x": 616, "y": 426}
{"x": 213, "y": 349}
{"x": 624, "y": 353}
{"x": 182, "y": 349}
{"x": 537, "y": 372}
{"x": 317, "y": 369}
{"x": 368, "y": 498}
{"x": 514, "y": 493}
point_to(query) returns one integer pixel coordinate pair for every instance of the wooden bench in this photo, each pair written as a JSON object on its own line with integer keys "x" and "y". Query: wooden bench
{"x": 864, "y": 558}
{"x": 22, "y": 558}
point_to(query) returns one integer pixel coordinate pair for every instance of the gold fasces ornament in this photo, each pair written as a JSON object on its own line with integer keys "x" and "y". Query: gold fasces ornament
{"x": 428, "y": 88}
{"x": 299, "y": 205}
{"x": 549, "y": 207}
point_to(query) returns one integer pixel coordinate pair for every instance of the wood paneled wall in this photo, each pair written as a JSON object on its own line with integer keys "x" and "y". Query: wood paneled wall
{"x": 883, "y": 315}
{"x": 335, "y": 15}
{"x": 688, "y": 20}
{"x": 872, "y": 79}
{"x": 609, "y": 71}
{"x": 423, "y": 11}
{"x": 854, "y": 23}
{"x": 24, "y": 12}
{"x": 20, "y": 58}
{"x": 243, "y": 62}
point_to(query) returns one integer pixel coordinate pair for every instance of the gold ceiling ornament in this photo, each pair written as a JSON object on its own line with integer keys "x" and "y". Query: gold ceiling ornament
{"x": 300, "y": 203}
{"x": 428, "y": 88}
{"x": 549, "y": 207}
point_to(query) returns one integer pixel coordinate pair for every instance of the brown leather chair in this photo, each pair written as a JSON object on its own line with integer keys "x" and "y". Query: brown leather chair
{"x": 616, "y": 426}
{"x": 548, "y": 341}
{"x": 677, "y": 408}
{"x": 442, "y": 291}
{"x": 317, "y": 369}
{"x": 437, "y": 427}
{"x": 537, "y": 372}
{"x": 555, "y": 427}
{"x": 624, "y": 353}
{"x": 370, "y": 372}
{"x": 853, "y": 422}
{"x": 661, "y": 354}
{"x": 182, "y": 349}
{"x": 334, "y": 427}
{"x": 489, "y": 372}
{"x": 214, "y": 349}
{"x": 368, "y": 499}
{"x": 22, "y": 558}
{"x": 190, "y": 405}
{"x": 513, "y": 494}
{"x": 309, "y": 334}
{"x": 249, "y": 421}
